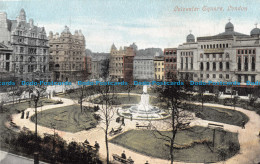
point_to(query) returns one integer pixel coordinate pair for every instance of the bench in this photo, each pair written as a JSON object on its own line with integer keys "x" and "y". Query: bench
{"x": 14, "y": 125}
{"x": 210, "y": 125}
{"x": 114, "y": 132}
{"x": 184, "y": 125}
{"x": 143, "y": 126}
{"x": 121, "y": 160}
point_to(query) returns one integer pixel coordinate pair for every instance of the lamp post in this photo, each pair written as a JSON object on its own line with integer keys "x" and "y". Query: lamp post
{"x": 35, "y": 98}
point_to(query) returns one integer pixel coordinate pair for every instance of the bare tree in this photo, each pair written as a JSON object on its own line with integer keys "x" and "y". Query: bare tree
{"x": 173, "y": 96}
{"x": 105, "y": 69}
{"x": 107, "y": 111}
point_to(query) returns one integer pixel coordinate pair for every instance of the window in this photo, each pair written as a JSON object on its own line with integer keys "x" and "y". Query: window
{"x": 246, "y": 78}
{"x": 253, "y": 64}
{"x": 239, "y": 78}
{"x": 220, "y": 55}
{"x": 201, "y": 75}
{"x": 201, "y": 55}
{"x": 207, "y": 66}
{"x": 214, "y": 56}
{"x": 239, "y": 64}
{"x": 227, "y": 76}
{"x": 246, "y": 63}
{"x": 227, "y": 65}
{"x": 214, "y": 66}
{"x": 220, "y": 76}
{"x": 253, "y": 78}
{"x": 207, "y": 75}
{"x": 220, "y": 66}
{"x": 214, "y": 76}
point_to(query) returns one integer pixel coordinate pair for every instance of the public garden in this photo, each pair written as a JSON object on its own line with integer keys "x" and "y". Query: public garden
{"x": 214, "y": 134}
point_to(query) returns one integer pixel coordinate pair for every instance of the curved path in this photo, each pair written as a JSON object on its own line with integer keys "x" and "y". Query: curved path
{"x": 248, "y": 139}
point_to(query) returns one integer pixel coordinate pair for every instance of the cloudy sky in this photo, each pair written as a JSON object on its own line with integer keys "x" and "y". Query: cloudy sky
{"x": 148, "y": 23}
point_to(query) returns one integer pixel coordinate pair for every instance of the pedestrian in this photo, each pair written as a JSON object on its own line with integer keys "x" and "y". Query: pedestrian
{"x": 146, "y": 162}
{"x": 131, "y": 118}
{"x": 27, "y": 114}
{"x": 22, "y": 115}
{"x": 123, "y": 121}
{"x": 96, "y": 146}
{"x": 123, "y": 155}
{"x": 130, "y": 160}
{"x": 118, "y": 119}
{"x": 243, "y": 124}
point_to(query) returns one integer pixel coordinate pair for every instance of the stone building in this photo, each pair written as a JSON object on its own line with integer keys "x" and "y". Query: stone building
{"x": 117, "y": 60}
{"x": 186, "y": 57}
{"x": 228, "y": 56}
{"x": 99, "y": 64}
{"x": 144, "y": 64}
{"x": 67, "y": 53}
{"x": 116, "y": 63}
{"x": 30, "y": 47}
{"x": 128, "y": 64}
{"x": 159, "y": 68}
{"x": 6, "y": 73}
{"x": 170, "y": 63}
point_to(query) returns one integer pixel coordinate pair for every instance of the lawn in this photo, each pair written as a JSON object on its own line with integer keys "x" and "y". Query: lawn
{"x": 68, "y": 118}
{"x": 192, "y": 145}
{"x": 222, "y": 115}
{"x": 5, "y": 116}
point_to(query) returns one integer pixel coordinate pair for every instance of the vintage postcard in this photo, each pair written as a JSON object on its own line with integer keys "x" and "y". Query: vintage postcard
{"x": 129, "y": 81}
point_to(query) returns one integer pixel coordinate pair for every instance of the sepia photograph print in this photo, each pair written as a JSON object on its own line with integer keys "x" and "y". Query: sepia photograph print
{"x": 129, "y": 81}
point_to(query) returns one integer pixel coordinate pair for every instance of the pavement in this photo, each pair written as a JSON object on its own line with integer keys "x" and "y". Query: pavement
{"x": 9, "y": 158}
{"x": 248, "y": 137}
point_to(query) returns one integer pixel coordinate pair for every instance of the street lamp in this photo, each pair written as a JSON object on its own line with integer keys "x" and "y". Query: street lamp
{"x": 35, "y": 97}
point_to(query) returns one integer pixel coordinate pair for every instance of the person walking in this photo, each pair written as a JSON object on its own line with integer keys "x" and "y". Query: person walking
{"x": 243, "y": 124}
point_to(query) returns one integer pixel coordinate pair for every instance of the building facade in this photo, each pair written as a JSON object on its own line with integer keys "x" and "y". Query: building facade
{"x": 116, "y": 63}
{"x": 144, "y": 64}
{"x": 159, "y": 68}
{"x": 30, "y": 57}
{"x": 128, "y": 60}
{"x": 170, "y": 63}
{"x": 67, "y": 54}
{"x": 99, "y": 64}
{"x": 6, "y": 63}
{"x": 228, "y": 56}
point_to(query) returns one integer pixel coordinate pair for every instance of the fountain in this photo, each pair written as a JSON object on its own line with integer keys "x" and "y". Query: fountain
{"x": 143, "y": 110}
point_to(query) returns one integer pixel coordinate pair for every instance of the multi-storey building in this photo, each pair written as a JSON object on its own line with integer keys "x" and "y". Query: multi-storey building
{"x": 30, "y": 47}
{"x": 186, "y": 57}
{"x": 117, "y": 70}
{"x": 67, "y": 53}
{"x": 128, "y": 64}
{"x": 5, "y": 62}
{"x": 159, "y": 68}
{"x": 99, "y": 65}
{"x": 228, "y": 56}
{"x": 170, "y": 63}
{"x": 116, "y": 63}
{"x": 144, "y": 64}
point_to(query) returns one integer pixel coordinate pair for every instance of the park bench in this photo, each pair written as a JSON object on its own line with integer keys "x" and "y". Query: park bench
{"x": 184, "y": 125}
{"x": 14, "y": 125}
{"x": 210, "y": 125}
{"x": 143, "y": 126}
{"x": 115, "y": 131}
{"x": 122, "y": 160}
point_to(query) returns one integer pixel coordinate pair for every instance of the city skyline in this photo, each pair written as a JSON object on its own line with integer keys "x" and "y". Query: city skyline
{"x": 147, "y": 23}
